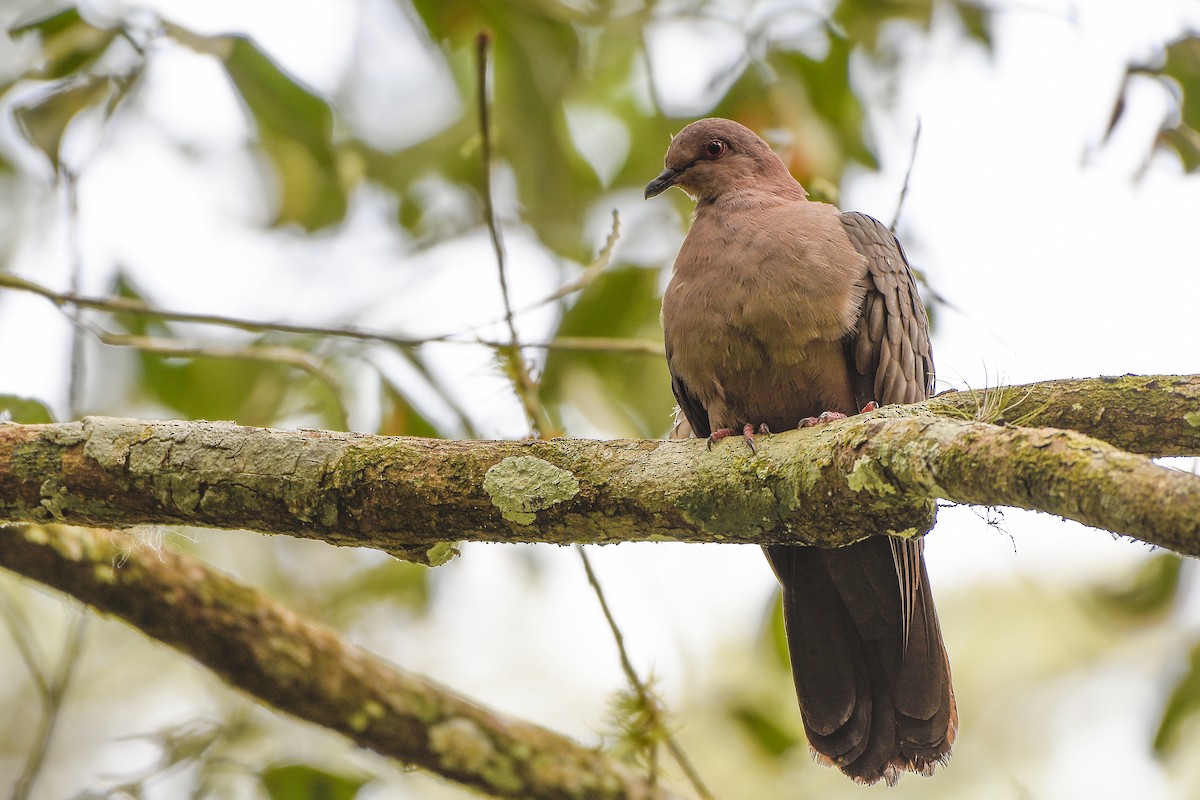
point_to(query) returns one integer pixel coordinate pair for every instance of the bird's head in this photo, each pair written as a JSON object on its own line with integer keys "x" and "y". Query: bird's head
{"x": 713, "y": 156}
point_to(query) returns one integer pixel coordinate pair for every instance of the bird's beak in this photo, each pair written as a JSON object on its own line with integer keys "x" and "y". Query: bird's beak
{"x": 664, "y": 181}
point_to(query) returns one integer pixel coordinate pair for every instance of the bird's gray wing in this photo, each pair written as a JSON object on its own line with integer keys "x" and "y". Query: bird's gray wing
{"x": 889, "y": 351}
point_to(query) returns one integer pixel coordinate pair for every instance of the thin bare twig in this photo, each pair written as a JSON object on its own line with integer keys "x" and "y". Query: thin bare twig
{"x": 53, "y": 688}
{"x": 51, "y": 692}
{"x": 602, "y": 260}
{"x": 127, "y": 305}
{"x": 483, "y": 44}
{"x": 78, "y": 370}
{"x": 523, "y": 382}
{"x": 18, "y": 630}
{"x": 264, "y": 354}
{"x": 646, "y": 698}
{"x": 912, "y": 158}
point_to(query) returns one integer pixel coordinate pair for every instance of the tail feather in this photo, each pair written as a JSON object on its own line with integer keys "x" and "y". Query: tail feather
{"x": 871, "y": 671}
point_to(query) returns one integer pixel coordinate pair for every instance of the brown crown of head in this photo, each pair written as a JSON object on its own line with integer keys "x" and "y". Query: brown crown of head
{"x": 713, "y": 156}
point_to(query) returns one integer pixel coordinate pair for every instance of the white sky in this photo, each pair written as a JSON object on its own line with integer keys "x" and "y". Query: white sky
{"x": 1060, "y": 262}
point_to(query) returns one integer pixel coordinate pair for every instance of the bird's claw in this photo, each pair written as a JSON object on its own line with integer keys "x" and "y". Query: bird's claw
{"x": 821, "y": 419}
{"x": 831, "y": 416}
{"x": 748, "y": 432}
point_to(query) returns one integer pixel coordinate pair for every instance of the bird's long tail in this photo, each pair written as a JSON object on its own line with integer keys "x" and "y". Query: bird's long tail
{"x": 870, "y": 667}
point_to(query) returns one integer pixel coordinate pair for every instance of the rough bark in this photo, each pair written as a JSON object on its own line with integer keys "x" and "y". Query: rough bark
{"x": 1156, "y": 415}
{"x": 875, "y": 473}
{"x": 309, "y": 671}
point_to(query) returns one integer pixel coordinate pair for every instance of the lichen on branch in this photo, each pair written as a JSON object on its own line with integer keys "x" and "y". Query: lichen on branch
{"x": 878, "y": 473}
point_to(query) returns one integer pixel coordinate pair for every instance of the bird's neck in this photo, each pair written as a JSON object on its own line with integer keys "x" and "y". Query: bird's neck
{"x": 751, "y": 198}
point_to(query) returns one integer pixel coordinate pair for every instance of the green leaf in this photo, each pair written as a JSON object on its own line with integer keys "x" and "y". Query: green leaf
{"x": 1182, "y": 705}
{"x": 864, "y": 20}
{"x": 1181, "y": 71}
{"x": 768, "y": 733}
{"x": 977, "y": 20}
{"x": 537, "y": 62}
{"x": 1185, "y": 143}
{"x": 1183, "y": 66}
{"x": 399, "y": 583}
{"x": 305, "y": 782}
{"x": 247, "y": 392}
{"x": 69, "y": 44}
{"x": 775, "y": 633}
{"x": 1148, "y": 592}
{"x": 25, "y": 410}
{"x": 43, "y": 122}
{"x": 295, "y": 129}
{"x": 399, "y": 417}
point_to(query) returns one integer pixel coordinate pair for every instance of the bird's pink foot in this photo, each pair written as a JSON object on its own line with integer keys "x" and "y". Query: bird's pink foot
{"x": 824, "y": 417}
{"x": 831, "y": 416}
{"x": 748, "y": 432}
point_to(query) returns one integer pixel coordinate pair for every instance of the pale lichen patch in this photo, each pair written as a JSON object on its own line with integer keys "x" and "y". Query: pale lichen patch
{"x": 462, "y": 746}
{"x": 66, "y": 434}
{"x": 520, "y": 486}
{"x": 55, "y": 498}
{"x": 104, "y": 573}
{"x": 363, "y": 717}
{"x": 866, "y": 475}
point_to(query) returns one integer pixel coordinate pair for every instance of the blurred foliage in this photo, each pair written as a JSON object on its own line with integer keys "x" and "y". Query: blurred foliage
{"x": 26, "y": 410}
{"x": 555, "y": 62}
{"x": 1179, "y": 71}
{"x": 218, "y": 388}
{"x": 295, "y": 129}
{"x": 551, "y": 60}
{"x": 1148, "y": 594}
{"x": 1182, "y": 706}
{"x": 621, "y": 303}
{"x": 1147, "y": 597}
{"x": 69, "y": 45}
{"x": 45, "y": 121}
{"x": 304, "y": 782}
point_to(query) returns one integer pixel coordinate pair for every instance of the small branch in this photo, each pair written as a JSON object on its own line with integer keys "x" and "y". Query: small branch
{"x": 483, "y": 44}
{"x": 524, "y": 385}
{"x": 264, "y": 354}
{"x": 78, "y": 369}
{"x": 53, "y": 692}
{"x": 592, "y": 344}
{"x": 646, "y": 699}
{"x": 18, "y": 631}
{"x": 912, "y": 159}
{"x": 590, "y": 273}
{"x": 308, "y": 671}
{"x": 1144, "y": 414}
{"x": 119, "y": 305}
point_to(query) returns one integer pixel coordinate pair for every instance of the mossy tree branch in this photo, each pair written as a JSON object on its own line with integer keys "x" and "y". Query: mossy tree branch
{"x": 878, "y": 472}
{"x": 260, "y": 647}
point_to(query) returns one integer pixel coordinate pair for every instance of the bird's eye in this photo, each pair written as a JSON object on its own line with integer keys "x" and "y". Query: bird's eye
{"x": 714, "y": 149}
